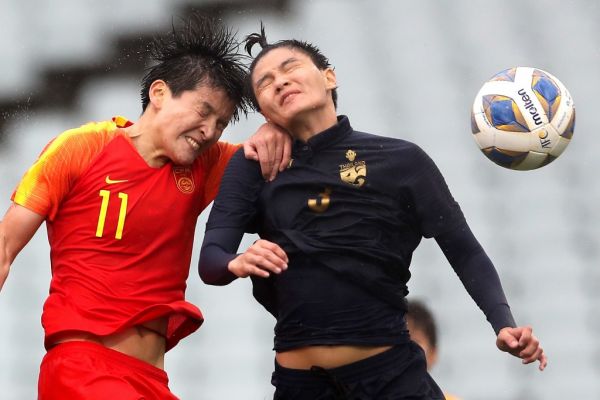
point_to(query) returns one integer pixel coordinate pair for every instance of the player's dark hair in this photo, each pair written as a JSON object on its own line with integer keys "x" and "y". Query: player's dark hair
{"x": 309, "y": 49}
{"x": 423, "y": 319}
{"x": 200, "y": 51}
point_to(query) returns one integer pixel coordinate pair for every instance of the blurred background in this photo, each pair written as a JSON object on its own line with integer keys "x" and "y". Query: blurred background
{"x": 407, "y": 69}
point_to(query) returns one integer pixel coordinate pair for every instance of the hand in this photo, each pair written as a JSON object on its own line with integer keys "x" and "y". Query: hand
{"x": 522, "y": 343}
{"x": 261, "y": 259}
{"x": 272, "y": 147}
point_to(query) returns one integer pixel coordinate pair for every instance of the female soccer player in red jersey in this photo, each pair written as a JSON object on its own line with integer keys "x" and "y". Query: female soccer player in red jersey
{"x": 338, "y": 229}
{"x": 120, "y": 201}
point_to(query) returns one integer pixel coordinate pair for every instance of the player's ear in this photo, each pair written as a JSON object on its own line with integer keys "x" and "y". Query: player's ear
{"x": 330, "y": 78}
{"x": 158, "y": 91}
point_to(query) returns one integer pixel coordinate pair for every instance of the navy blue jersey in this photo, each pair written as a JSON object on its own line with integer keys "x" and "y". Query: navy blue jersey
{"x": 349, "y": 212}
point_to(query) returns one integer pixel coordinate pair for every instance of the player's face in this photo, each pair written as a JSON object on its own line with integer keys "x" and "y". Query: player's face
{"x": 289, "y": 86}
{"x": 191, "y": 122}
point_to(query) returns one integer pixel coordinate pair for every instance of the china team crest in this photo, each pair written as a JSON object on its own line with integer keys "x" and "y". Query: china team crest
{"x": 354, "y": 172}
{"x": 184, "y": 179}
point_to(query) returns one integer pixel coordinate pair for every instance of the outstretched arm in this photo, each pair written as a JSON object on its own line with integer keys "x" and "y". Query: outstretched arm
{"x": 16, "y": 230}
{"x": 480, "y": 278}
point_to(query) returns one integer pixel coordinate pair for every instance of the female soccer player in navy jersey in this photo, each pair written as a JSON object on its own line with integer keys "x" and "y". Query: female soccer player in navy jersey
{"x": 338, "y": 229}
{"x": 120, "y": 201}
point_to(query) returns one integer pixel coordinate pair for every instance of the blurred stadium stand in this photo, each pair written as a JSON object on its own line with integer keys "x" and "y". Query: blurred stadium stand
{"x": 405, "y": 69}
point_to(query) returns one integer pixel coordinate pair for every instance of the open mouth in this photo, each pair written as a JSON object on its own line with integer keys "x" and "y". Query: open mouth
{"x": 193, "y": 143}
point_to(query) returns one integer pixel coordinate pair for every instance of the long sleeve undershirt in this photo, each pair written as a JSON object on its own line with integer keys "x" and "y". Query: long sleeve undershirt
{"x": 477, "y": 274}
{"x": 461, "y": 248}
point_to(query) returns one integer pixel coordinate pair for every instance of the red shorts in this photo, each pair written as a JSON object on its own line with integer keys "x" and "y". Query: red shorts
{"x": 86, "y": 370}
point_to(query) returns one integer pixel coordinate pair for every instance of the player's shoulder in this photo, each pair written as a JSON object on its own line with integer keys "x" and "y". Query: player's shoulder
{"x": 220, "y": 152}
{"x": 386, "y": 143}
{"x": 220, "y": 149}
{"x": 240, "y": 174}
{"x": 398, "y": 153}
{"x": 240, "y": 162}
{"x": 231, "y": 155}
{"x": 95, "y": 128}
{"x": 90, "y": 134}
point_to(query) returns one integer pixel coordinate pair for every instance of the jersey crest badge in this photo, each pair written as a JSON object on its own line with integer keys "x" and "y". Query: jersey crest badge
{"x": 184, "y": 179}
{"x": 354, "y": 172}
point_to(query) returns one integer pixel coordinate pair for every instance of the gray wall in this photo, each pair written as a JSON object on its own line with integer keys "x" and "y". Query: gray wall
{"x": 407, "y": 69}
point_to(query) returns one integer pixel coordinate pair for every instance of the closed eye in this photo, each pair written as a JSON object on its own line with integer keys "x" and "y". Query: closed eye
{"x": 264, "y": 82}
{"x": 205, "y": 110}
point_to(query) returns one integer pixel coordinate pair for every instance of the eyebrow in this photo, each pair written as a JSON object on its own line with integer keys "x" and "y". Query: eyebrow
{"x": 281, "y": 66}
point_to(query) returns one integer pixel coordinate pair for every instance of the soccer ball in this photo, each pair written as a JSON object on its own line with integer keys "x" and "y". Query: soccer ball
{"x": 523, "y": 118}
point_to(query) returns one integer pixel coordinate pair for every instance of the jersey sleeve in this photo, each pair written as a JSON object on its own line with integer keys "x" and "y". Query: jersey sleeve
{"x": 214, "y": 162}
{"x": 436, "y": 209}
{"x": 51, "y": 177}
{"x": 232, "y": 214}
{"x": 236, "y": 204}
{"x": 478, "y": 274}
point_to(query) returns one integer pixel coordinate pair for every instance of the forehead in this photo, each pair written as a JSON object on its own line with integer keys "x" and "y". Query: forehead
{"x": 206, "y": 92}
{"x": 213, "y": 96}
{"x": 274, "y": 58}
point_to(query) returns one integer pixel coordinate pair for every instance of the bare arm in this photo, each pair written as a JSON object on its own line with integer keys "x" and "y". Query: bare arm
{"x": 16, "y": 230}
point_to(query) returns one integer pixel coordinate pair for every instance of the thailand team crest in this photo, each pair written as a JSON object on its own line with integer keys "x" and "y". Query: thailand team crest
{"x": 184, "y": 179}
{"x": 354, "y": 172}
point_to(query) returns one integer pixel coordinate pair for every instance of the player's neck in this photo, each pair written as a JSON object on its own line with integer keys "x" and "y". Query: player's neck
{"x": 314, "y": 122}
{"x": 143, "y": 143}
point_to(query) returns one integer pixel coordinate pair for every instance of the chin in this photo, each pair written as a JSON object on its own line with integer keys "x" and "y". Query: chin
{"x": 185, "y": 161}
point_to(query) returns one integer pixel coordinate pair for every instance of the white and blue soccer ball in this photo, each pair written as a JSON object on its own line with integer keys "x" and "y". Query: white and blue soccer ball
{"x": 523, "y": 118}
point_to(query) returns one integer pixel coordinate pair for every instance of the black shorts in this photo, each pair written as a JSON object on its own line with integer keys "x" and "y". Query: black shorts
{"x": 399, "y": 373}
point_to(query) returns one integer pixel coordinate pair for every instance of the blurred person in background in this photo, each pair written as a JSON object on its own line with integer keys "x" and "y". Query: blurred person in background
{"x": 120, "y": 201}
{"x": 422, "y": 329}
{"x": 338, "y": 229}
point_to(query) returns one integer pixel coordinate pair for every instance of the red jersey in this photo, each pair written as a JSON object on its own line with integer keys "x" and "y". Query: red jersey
{"x": 120, "y": 231}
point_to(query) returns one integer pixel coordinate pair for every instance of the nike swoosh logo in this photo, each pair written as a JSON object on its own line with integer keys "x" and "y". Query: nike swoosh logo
{"x": 113, "y": 181}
